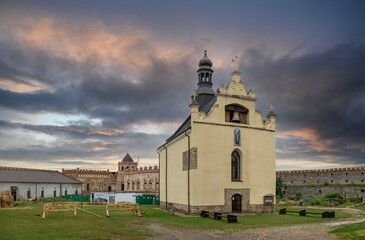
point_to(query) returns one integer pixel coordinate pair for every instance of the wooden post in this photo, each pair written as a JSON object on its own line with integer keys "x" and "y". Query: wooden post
{"x": 75, "y": 211}
{"x": 107, "y": 210}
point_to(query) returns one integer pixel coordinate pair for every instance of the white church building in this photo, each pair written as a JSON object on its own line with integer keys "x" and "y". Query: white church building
{"x": 222, "y": 158}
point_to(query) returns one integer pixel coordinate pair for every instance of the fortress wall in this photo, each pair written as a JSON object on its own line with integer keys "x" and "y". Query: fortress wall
{"x": 349, "y": 182}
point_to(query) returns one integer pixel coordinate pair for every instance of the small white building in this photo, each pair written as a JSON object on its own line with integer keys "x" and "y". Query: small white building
{"x": 26, "y": 184}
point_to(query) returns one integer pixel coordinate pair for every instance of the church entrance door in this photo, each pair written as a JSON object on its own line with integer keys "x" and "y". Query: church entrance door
{"x": 237, "y": 203}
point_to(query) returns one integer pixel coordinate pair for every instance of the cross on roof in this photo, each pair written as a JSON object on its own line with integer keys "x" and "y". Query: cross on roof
{"x": 205, "y": 40}
{"x": 271, "y": 107}
{"x": 236, "y": 63}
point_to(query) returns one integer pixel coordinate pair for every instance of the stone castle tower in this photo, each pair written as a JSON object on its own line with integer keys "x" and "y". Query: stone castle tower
{"x": 127, "y": 164}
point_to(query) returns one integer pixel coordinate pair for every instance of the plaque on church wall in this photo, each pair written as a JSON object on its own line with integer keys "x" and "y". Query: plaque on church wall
{"x": 269, "y": 199}
{"x": 237, "y": 137}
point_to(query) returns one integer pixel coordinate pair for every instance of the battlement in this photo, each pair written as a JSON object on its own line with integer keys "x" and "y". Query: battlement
{"x": 331, "y": 170}
{"x": 85, "y": 171}
{"x": 142, "y": 169}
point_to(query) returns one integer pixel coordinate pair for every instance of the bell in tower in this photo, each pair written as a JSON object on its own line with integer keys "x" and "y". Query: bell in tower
{"x": 236, "y": 117}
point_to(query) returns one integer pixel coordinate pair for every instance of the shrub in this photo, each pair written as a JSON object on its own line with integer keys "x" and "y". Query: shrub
{"x": 334, "y": 198}
{"x": 298, "y": 196}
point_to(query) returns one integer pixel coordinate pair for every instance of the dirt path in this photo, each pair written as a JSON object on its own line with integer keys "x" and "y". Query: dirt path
{"x": 298, "y": 232}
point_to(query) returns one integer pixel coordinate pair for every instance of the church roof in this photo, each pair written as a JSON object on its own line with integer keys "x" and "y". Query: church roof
{"x": 206, "y": 108}
{"x": 127, "y": 158}
{"x": 184, "y": 127}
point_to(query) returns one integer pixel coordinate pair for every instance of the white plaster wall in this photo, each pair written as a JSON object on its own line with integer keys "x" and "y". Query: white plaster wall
{"x": 177, "y": 190}
{"x": 36, "y": 188}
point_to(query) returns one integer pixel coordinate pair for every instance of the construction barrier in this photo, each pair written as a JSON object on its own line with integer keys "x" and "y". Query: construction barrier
{"x": 77, "y": 198}
{"x": 145, "y": 200}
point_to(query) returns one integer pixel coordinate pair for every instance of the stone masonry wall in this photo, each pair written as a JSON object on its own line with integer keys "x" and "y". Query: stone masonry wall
{"x": 349, "y": 182}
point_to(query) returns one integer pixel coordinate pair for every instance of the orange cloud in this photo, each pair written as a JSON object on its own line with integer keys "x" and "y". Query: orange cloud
{"x": 22, "y": 87}
{"x": 308, "y": 135}
{"x": 130, "y": 48}
{"x": 103, "y": 132}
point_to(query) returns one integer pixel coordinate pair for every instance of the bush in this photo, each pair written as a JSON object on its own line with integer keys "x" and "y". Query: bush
{"x": 334, "y": 198}
{"x": 298, "y": 196}
{"x": 355, "y": 199}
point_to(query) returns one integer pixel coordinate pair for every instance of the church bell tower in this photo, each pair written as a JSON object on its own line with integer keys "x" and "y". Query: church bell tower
{"x": 205, "y": 91}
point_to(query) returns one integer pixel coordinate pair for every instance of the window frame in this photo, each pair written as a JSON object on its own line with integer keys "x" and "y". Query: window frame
{"x": 236, "y": 176}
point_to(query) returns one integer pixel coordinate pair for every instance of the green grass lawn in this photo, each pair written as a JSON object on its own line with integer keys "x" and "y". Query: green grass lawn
{"x": 22, "y": 223}
{"x": 351, "y": 232}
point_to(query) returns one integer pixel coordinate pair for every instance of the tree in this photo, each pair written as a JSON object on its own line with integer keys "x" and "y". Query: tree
{"x": 280, "y": 186}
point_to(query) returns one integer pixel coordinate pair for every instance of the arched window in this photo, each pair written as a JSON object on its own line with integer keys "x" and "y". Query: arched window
{"x": 235, "y": 166}
{"x": 236, "y": 113}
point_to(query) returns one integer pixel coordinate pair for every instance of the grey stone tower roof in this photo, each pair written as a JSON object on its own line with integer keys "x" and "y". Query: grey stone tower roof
{"x": 271, "y": 114}
{"x": 127, "y": 158}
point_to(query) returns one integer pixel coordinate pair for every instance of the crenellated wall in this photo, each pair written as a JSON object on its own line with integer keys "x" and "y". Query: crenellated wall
{"x": 130, "y": 178}
{"x": 349, "y": 182}
{"x": 92, "y": 180}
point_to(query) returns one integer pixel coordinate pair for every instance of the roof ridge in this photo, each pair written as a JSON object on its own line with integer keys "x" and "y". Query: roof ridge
{"x": 27, "y": 169}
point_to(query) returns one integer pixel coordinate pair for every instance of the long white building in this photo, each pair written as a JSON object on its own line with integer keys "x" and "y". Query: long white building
{"x": 27, "y": 184}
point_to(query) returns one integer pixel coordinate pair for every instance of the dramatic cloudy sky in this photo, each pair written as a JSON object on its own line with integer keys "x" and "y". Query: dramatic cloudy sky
{"x": 84, "y": 82}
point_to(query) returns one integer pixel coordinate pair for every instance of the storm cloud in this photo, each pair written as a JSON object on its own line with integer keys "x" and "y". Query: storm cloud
{"x": 320, "y": 99}
{"x": 83, "y": 90}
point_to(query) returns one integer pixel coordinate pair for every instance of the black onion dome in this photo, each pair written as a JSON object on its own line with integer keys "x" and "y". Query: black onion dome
{"x": 205, "y": 61}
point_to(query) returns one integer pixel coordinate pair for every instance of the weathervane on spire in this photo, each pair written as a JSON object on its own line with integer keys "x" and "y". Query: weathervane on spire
{"x": 236, "y": 63}
{"x": 205, "y": 40}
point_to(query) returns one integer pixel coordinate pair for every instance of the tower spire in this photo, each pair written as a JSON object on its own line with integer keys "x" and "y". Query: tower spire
{"x": 205, "y": 72}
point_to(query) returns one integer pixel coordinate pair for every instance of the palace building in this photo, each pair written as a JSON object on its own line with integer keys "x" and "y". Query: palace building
{"x": 222, "y": 158}
{"x": 128, "y": 178}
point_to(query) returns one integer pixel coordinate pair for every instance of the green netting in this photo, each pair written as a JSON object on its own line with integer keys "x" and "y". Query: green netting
{"x": 148, "y": 200}
{"x": 77, "y": 198}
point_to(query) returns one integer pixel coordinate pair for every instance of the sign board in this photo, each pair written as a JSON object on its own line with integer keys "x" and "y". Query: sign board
{"x": 269, "y": 199}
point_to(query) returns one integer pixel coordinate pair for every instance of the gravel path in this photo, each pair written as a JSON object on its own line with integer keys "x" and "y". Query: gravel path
{"x": 297, "y": 232}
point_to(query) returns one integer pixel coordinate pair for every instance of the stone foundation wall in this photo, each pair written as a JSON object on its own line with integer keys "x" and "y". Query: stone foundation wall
{"x": 261, "y": 208}
{"x": 195, "y": 210}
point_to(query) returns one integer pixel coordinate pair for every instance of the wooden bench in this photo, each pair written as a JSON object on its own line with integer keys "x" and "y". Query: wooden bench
{"x": 218, "y": 216}
{"x": 326, "y": 214}
{"x": 283, "y": 211}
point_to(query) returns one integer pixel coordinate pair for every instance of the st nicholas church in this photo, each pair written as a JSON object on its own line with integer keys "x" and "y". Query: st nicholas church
{"x": 222, "y": 158}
